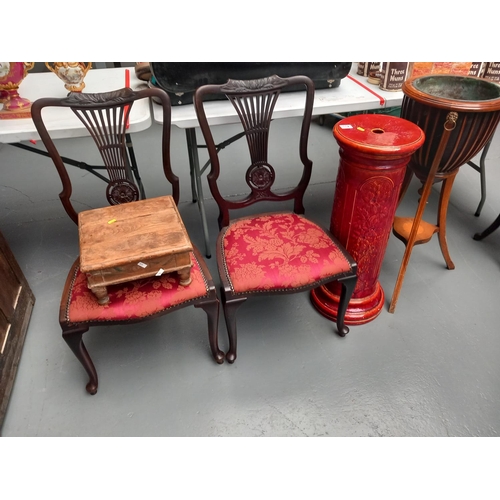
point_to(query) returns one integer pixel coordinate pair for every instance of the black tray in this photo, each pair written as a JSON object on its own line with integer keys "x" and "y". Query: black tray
{"x": 180, "y": 80}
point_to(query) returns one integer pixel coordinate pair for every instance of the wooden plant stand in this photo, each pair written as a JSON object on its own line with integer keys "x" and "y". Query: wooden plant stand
{"x": 459, "y": 116}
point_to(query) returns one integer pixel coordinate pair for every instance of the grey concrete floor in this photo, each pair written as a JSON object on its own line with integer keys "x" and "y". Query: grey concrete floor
{"x": 430, "y": 369}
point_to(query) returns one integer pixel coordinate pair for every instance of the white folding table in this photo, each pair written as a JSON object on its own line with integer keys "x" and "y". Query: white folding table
{"x": 353, "y": 94}
{"x": 62, "y": 123}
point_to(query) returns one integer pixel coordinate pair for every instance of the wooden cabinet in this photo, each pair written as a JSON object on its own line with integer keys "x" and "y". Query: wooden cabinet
{"x": 16, "y": 305}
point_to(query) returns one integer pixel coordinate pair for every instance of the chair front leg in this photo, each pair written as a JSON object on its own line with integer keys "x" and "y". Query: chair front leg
{"x": 230, "y": 307}
{"x": 492, "y": 227}
{"x": 348, "y": 285}
{"x": 73, "y": 338}
{"x": 212, "y": 310}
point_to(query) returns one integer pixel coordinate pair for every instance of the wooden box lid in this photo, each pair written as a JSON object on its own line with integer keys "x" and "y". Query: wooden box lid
{"x": 130, "y": 232}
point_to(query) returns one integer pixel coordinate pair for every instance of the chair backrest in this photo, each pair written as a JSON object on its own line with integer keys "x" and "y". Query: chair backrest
{"x": 105, "y": 115}
{"x": 254, "y": 101}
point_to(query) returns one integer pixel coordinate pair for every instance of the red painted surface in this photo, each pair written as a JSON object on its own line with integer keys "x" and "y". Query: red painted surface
{"x": 374, "y": 152}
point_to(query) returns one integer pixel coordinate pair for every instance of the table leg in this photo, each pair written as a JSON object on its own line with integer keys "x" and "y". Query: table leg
{"x": 196, "y": 185}
{"x": 192, "y": 151}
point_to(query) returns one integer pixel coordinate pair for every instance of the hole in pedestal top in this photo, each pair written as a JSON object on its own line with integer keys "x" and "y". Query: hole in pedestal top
{"x": 377, "y": 131}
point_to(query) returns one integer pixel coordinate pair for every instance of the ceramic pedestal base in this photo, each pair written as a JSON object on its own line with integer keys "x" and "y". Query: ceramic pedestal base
{"x": 361, "y": 310}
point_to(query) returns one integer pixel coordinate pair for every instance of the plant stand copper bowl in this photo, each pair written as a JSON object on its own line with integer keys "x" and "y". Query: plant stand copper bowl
{"x": 458, "y": 116}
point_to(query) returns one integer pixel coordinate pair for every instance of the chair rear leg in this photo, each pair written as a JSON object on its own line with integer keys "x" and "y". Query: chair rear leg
{"x": 348, "y": 285}
{"x": 212, "y": 310}
{"x": 492, "y": 227}
{"x": 74, "y": 340}
{"x": 230, "y": 307}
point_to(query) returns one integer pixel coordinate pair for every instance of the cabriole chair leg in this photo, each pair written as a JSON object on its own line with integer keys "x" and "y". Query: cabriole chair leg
{"x": 348, "y": 286}
{"x": 230, "y": 308}
{"x": 212, "y": 310}
{"x": 74, "y": 340}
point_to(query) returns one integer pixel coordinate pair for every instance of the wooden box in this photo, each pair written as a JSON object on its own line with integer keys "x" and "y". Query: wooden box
{"x": 132, "y": 241}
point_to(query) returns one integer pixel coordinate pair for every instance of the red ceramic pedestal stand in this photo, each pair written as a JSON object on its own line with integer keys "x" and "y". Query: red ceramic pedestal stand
{"x": 374, "y": 152}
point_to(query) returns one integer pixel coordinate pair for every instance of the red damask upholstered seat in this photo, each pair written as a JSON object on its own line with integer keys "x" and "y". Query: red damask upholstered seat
{"x": 267, "y": 253}
{"x": 105, "y": 116}
{"x": 133, "y": 300}
{"x": 278, "y": 252}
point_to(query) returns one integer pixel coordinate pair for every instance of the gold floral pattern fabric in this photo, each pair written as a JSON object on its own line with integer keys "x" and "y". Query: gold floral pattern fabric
{"x": 135, "y": 299}
{"x": 279, "y": 251}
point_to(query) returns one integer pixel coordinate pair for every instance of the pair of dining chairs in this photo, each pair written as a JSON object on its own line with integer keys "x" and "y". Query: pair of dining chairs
{"x": 277, "y": 252}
